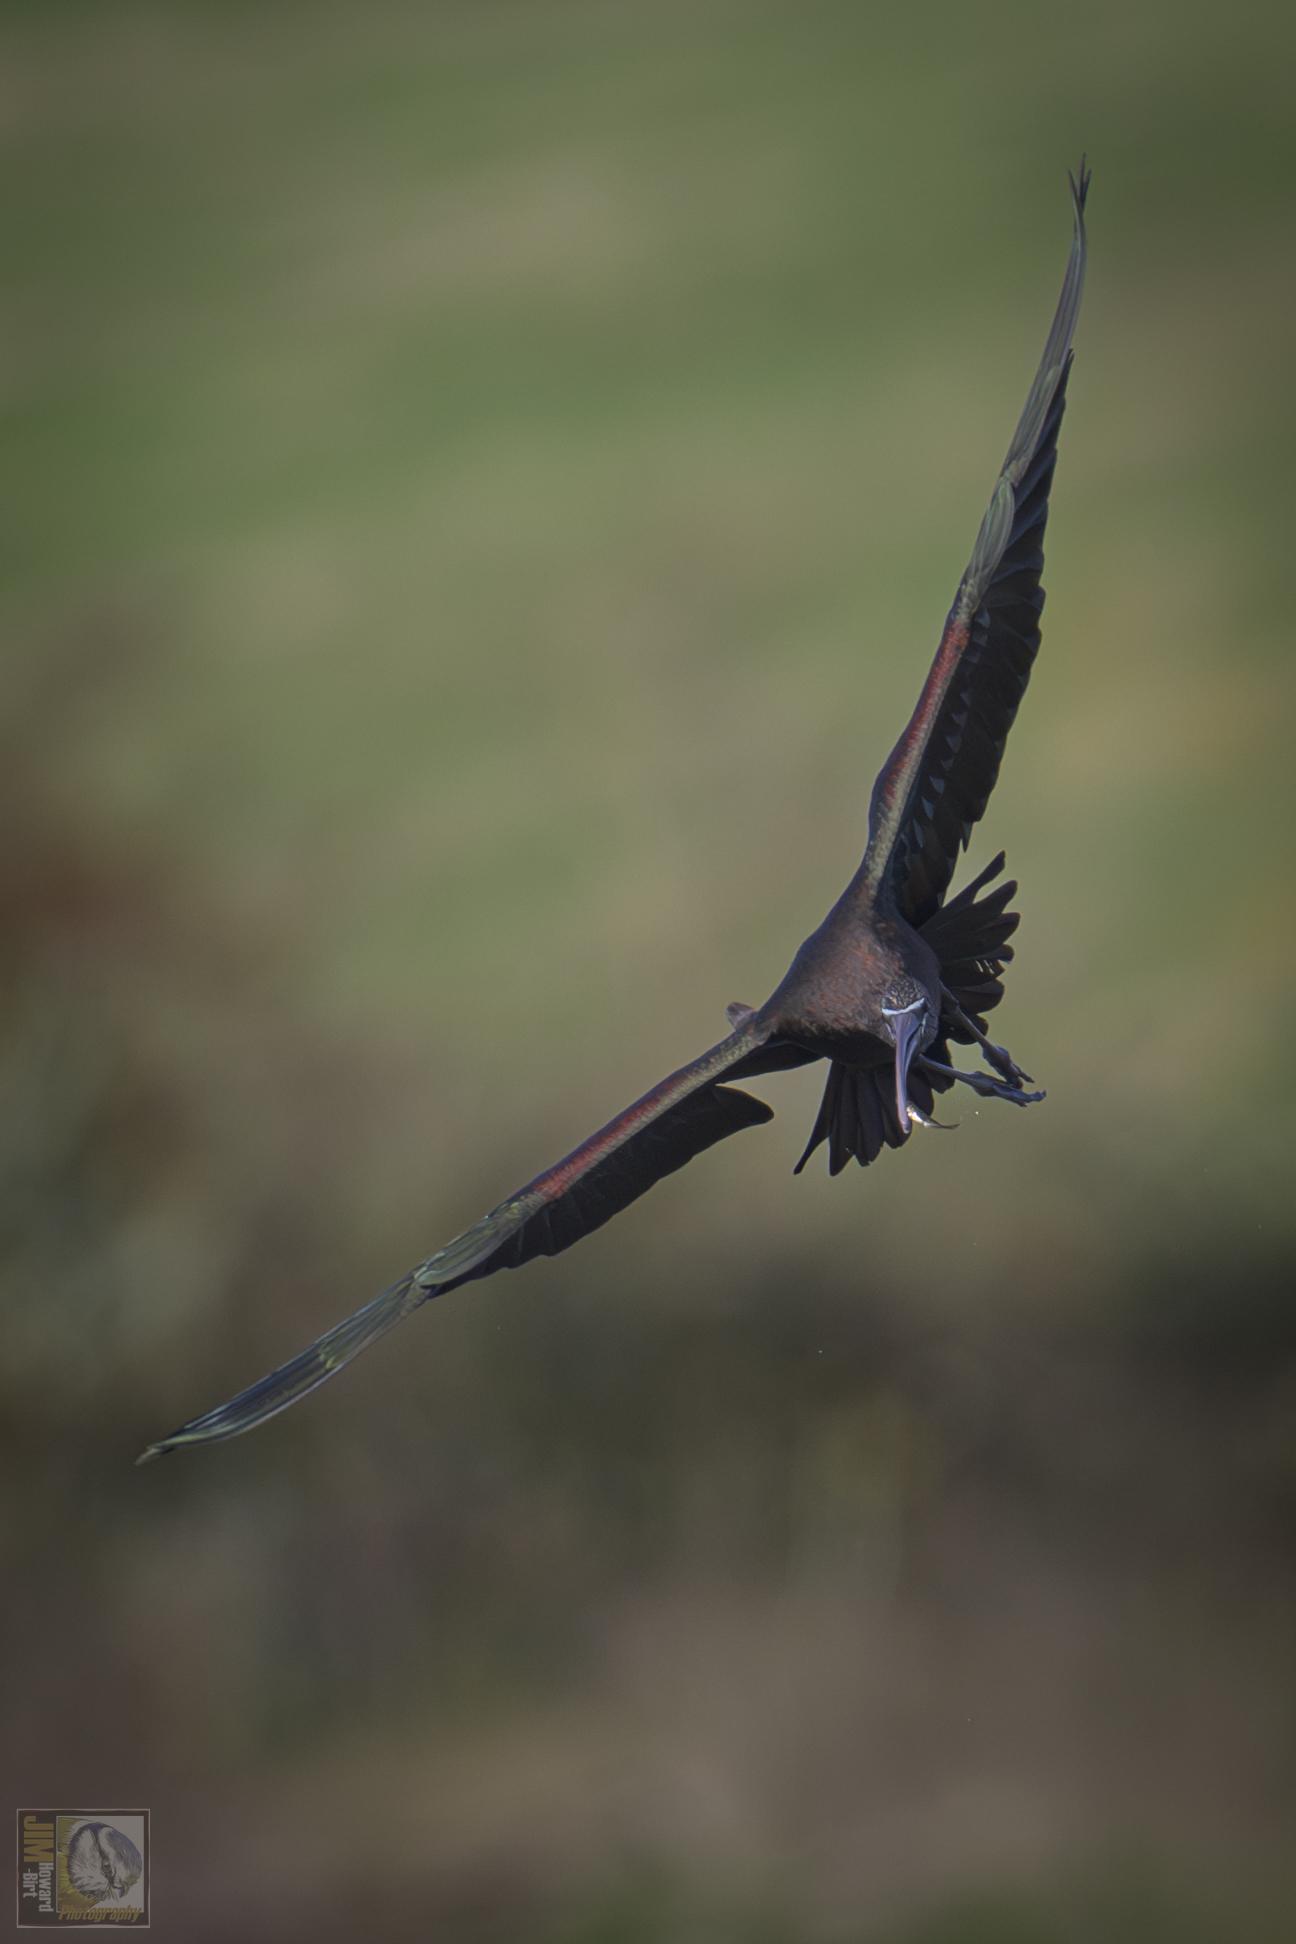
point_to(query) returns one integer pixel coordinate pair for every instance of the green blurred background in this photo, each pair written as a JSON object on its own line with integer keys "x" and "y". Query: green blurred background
{"x": 481, "y": 486}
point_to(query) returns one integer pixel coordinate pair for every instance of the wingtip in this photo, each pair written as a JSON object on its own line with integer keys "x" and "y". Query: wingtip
{"x": 150, "y": 1452}
{"x": 1080, "y": 185}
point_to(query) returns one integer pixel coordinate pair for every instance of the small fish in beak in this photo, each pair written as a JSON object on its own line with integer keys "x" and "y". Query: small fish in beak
{"x": 917, "y": 1118}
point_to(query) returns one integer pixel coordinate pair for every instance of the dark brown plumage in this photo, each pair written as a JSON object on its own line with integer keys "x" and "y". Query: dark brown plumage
{"x": 894, "y": 974}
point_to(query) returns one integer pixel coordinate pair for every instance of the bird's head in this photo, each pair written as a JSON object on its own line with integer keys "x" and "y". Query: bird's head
{"x": 910, "y": 1025}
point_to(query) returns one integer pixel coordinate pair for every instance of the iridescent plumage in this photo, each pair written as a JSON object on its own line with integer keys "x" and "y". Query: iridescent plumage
{"x": 893, "y": 975}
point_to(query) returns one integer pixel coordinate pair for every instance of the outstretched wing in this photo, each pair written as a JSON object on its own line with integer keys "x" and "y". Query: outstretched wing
{"x": 679, "y": 1118}
{"x": 937, "y": 780}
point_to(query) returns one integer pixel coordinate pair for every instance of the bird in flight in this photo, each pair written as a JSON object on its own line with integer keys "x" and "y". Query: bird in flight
{"x": 894, "y": 974}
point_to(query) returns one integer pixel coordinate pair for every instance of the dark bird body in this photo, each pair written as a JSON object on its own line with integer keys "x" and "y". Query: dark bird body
{"x": 894, "y": 974}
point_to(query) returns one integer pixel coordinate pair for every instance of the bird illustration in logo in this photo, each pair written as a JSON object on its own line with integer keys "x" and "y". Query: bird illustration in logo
{"x": 102, "y": 1862}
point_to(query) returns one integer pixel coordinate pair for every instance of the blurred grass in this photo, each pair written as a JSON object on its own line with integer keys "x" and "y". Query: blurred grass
{"x": 481, "y": 485}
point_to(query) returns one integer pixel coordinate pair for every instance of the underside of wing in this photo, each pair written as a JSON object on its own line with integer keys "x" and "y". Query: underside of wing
{"x": 669, "y": 1142}
{"x": 970, "y": 728}
{"x": 669, "y": 1126}
{"x": 937, "y": 781}
{"x": 857, "y": 1115}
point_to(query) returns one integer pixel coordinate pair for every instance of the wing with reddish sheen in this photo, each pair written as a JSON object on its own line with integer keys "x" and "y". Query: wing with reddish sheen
{"x": 937, "y": 781}
{"x": 671, "y": 1124}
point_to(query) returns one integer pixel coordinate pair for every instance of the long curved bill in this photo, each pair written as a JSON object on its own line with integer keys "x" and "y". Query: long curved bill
{"x": 907, "y": 1029}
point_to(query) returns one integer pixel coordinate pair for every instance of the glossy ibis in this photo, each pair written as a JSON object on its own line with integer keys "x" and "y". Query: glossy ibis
{"x": 895, "y": 973}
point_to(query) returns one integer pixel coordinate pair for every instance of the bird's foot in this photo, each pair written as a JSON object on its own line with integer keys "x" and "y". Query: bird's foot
{"x": 981, "y": 1083}
{"x": 1004, "y": 1064}
{"x": 999, "y": 1057}
{"x": 737, "y": 1013}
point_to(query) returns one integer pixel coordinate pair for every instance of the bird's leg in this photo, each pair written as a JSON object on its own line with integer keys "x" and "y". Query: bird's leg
{"x": 1000, "y": 1059}
{"x": 980, "y": 1083}
{"x": 736, "y": 1012}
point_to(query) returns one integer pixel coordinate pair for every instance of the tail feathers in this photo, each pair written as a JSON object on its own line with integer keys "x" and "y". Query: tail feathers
{"x": 857, "y": 1116}
{"x": 305, "y": 1372}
